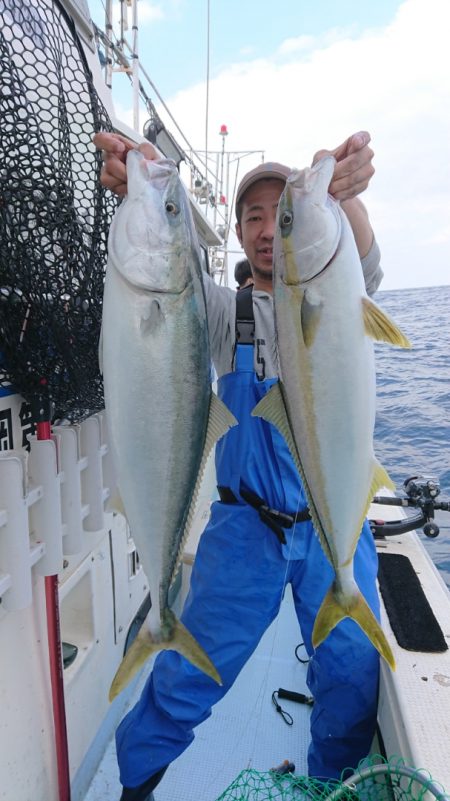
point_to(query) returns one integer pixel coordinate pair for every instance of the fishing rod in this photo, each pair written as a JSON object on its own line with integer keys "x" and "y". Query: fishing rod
{"x": 421, "y": 493}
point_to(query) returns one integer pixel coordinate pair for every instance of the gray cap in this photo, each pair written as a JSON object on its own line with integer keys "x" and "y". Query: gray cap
{"x": 268, "y": 169}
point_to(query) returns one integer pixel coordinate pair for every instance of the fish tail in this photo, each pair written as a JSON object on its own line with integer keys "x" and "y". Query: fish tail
{"x": 181, "y": 640}
{"x": 334, "y": 610}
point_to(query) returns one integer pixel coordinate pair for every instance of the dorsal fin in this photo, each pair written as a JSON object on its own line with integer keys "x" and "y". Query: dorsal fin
{"x": 380, "y": 327}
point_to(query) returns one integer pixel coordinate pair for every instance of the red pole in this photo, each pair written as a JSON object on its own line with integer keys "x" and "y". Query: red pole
{"x": 43, "y": 431}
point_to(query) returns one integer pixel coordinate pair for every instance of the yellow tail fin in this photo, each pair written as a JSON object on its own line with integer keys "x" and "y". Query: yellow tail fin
{"x": 332, "y": 611}
{"x": 143, "y": 647}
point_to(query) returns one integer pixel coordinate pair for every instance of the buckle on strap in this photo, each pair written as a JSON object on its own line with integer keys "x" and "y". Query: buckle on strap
{"x": 273, "y": 518}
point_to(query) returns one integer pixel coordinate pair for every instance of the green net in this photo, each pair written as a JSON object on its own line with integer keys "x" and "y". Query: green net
{"x": 376, "y": 779}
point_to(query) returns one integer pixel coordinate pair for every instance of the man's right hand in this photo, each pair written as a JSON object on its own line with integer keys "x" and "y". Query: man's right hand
{"x": 114, "y": 149}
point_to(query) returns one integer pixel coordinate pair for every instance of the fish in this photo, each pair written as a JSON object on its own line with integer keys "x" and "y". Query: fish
{"x": 163, "y": 418}
{"x": 324, "y": 401}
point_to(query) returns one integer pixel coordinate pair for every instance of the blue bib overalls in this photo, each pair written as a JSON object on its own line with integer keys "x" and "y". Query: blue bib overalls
{"x": 237, "y": 584}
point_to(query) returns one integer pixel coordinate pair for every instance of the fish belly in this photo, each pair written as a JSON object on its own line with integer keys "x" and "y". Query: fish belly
{"x": 152, "y": 383}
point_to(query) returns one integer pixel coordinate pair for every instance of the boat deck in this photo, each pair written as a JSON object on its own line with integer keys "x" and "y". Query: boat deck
{"x": 244, "y": 730}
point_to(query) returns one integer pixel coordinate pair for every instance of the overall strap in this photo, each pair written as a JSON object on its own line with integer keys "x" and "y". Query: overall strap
{"x": 245, "y": 321}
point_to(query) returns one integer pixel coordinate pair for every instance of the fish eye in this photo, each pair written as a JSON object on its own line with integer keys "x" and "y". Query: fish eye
{"x": 172, "y": 208}
{"x": 286, "y": 219}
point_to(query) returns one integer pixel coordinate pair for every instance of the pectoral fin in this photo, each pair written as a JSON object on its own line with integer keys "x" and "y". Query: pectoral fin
{"x": 380, "y": 327}
{"x": 310, "y": 314}
{"x": 152, "y": 318}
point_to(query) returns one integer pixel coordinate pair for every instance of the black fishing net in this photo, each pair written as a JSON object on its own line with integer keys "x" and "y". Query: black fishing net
{"x": 54, "y": 215}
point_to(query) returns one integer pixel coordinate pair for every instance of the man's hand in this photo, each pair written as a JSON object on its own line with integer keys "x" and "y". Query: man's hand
{"x": 114, "y": 149}
{"x": 354, "y": 167}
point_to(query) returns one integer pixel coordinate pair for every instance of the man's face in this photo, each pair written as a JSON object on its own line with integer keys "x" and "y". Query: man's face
{"x": 257, "y": 227}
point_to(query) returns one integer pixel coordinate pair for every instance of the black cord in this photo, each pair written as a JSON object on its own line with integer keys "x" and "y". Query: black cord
{"x": 285, "y": 715}
{"x": 303, "y": 661}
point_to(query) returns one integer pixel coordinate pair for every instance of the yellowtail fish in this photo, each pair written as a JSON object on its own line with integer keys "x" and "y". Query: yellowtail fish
{"x": 324, "y": 403}
{"x": 163, "y": 418}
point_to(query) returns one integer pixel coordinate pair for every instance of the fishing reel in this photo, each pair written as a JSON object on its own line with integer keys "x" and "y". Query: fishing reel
{"x": 422, "y": 488}
{"x": 421, "y": 493}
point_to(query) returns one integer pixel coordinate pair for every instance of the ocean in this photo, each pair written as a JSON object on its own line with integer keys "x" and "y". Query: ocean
{"x": 412, "y": 430}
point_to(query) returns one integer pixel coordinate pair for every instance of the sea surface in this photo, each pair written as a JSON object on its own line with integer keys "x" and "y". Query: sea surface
{"x": 412, "y": 430}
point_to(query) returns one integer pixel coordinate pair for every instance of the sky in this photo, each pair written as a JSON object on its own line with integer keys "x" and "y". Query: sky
{"x": 303, "y": 79}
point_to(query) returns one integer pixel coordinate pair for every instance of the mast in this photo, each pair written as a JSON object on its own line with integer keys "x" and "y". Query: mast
{"x": 135, "y": 63}
{"x": 221, "y": 198}
{"x": 108, "y": 50}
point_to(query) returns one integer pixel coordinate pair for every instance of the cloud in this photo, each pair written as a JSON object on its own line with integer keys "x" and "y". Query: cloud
{"x": 392, "y": 81}
{"x": 441, "y": 236}
{"x": 306, "y": 44}
{"x": 248, "y": 50}
{"x": 149, "y": 12}
{"x": 297, "y": 45}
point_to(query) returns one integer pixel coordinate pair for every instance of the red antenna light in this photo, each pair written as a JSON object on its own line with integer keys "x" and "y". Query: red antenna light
{"x": 223, "y": 130}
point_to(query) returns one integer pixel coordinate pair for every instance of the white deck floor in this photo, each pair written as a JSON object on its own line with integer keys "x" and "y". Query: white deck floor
{"x": 244, "y": 730}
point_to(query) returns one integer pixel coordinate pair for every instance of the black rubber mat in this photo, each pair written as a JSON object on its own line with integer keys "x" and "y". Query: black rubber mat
{"x": 410, "y": 615}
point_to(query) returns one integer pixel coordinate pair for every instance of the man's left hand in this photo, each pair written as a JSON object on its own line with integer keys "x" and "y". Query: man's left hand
{"x": 354, "y": 167}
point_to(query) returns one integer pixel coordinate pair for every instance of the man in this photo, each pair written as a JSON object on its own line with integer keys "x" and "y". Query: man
{"x": 244, "y": 561}
{"x": 243, "y": 274}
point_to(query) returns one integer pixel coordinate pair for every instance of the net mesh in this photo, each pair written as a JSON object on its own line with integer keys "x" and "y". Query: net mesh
{"x": 376, "y": 779}
{"x": 54, "y": 215}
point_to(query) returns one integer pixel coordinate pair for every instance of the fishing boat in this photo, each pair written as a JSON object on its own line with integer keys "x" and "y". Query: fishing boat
{"x": 59, "y": 654}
